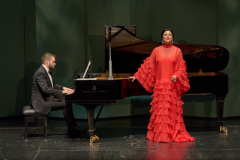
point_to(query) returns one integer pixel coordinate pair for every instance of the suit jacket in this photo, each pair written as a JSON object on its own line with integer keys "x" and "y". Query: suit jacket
{"x": 42, "y": 92}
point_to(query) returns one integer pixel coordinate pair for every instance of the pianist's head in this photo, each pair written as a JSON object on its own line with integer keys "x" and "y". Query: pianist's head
{"x": 48, "y": 60}
{"x": 167, "y": 36}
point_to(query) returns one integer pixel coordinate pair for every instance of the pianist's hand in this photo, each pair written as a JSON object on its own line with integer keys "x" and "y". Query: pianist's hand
{"x": 131, "y": 78}
{"x": 67, "y": 90}
{"x": 174, "y": 78}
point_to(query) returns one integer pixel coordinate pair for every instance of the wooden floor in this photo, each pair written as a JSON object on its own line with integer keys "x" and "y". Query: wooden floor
{"x": 119, "y": 139}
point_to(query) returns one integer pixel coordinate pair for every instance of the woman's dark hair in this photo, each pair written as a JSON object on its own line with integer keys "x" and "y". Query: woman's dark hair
{"x": 167, "y": 30}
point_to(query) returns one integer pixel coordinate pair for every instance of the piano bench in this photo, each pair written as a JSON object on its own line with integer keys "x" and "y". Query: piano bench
{"x": 32, "y": 116}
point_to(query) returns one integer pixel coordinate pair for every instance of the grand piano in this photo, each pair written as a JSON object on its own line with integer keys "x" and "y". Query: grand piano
{"x": 124, "y": 53}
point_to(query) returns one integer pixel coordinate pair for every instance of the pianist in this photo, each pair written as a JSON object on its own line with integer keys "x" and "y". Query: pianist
{"x": 165, "y": 70}
{"x": 47, "y": 95}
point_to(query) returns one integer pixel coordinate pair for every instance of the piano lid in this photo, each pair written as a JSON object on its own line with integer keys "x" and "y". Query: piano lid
{"x": 128, "y": 52}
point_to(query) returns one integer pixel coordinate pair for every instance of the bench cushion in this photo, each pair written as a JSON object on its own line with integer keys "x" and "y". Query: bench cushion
{"x": 28, "y": 112}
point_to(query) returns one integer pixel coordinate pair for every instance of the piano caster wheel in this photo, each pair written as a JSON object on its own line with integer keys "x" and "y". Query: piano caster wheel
{"x": 94, "y": 139}
{"x": 223, "y": 129}
{"x": 97, "y": 138}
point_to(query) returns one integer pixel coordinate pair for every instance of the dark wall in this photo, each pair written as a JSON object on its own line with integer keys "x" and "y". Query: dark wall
{"x": 12, "y": 58}
{"x": 32, "y": 60}
{"x": 229, "y": 37}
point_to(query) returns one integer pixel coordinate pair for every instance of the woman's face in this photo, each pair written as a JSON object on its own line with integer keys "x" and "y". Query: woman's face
{"x": 167, "y": 37}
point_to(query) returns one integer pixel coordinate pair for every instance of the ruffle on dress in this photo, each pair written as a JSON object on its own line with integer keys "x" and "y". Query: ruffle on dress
{"x": 182, "y": 82}
{"x": 166, "y": 122}
{"x": 146, "y": 74}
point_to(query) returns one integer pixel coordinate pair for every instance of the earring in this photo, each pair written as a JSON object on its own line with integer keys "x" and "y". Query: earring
{"x": 162, "y": 42}
{"x": 172, "y": 41}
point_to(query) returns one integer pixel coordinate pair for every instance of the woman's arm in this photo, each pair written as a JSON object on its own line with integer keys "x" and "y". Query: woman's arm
{"x": 181, "y": 73}
{"x": 146, "y": 73}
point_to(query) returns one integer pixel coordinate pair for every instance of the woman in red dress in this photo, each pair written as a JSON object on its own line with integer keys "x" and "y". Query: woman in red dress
{"x": 165, "y": 71}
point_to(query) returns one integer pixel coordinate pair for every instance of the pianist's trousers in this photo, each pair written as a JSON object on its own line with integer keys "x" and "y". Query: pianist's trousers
{"x": 67, "y": 112}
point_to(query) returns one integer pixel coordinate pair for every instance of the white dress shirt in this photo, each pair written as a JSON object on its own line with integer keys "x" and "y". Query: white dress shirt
{"x": 49, "y": 75}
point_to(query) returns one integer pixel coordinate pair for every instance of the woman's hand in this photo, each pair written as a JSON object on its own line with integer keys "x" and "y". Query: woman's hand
{"x": 131, "y": 78}
{"x": 174, "y": 78}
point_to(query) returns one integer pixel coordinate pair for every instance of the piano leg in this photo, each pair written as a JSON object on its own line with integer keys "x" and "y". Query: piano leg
{"x": 220, "y": 108}
{"x": 90, "y": 109}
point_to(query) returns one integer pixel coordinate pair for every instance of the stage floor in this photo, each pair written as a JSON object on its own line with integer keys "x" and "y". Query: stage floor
{"x": 119, "y": 139}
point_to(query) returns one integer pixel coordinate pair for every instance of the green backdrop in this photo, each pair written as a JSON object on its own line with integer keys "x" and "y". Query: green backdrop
{"x": 74, "y": 31}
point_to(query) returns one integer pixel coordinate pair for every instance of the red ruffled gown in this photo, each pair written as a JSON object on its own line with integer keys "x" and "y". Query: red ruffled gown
{"x": 166, "y": 122}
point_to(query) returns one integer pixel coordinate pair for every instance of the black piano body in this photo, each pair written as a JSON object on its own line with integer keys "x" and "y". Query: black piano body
{"x": 128, "y": 52}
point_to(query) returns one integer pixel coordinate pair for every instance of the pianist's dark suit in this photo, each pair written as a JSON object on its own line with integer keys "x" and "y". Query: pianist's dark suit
{"x": 45, "y": 98}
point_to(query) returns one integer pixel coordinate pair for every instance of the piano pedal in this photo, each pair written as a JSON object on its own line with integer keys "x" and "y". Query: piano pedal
{"x": 223, "y": 129}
